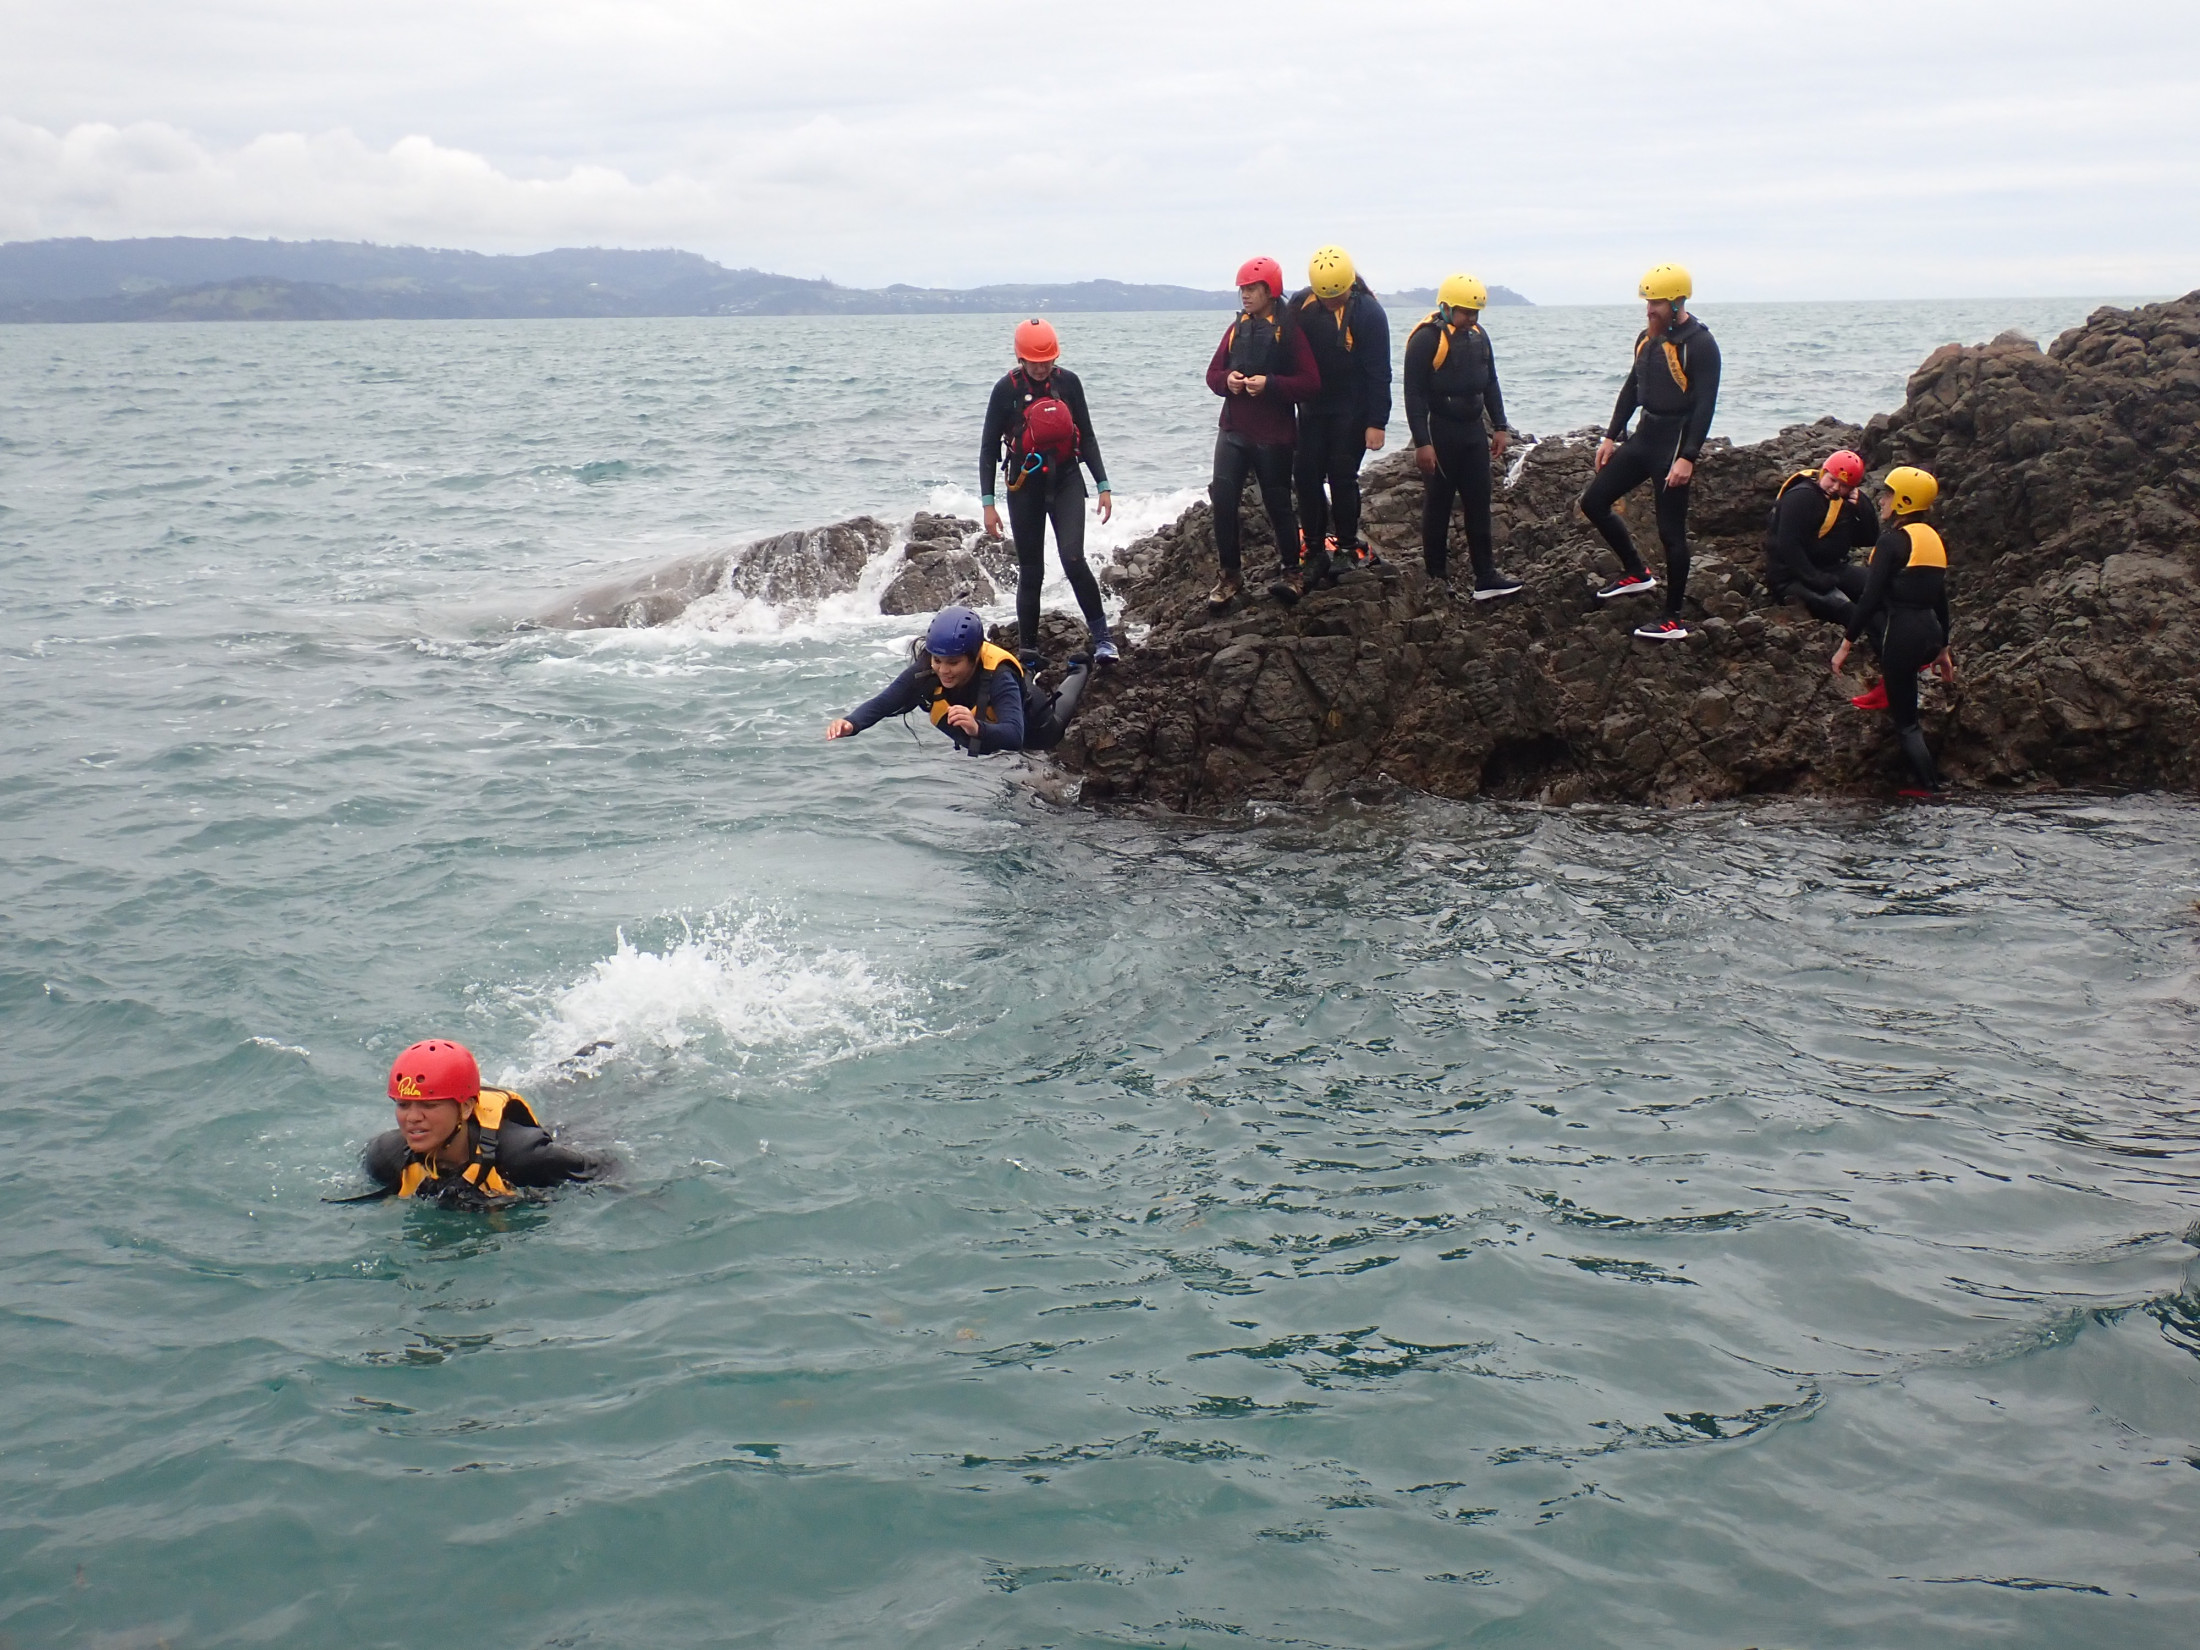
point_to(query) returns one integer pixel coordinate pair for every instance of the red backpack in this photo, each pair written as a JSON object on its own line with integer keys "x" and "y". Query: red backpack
{"x": 1049, "y": 427}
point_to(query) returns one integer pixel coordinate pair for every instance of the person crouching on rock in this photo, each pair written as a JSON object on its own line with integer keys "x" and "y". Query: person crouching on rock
{"x": 462, "y": 1145}
{"x": 1341, "y": 423}
{"x": 1260, "y": 369}
{"x": 1038, "y": 424}
{"x": 1908, "y": 579}
{"x": 1675, "y": 383}
{"x": 977, "y": 694}
{"x": 1817, "y": 519}
{"x": 1452, "y": 400}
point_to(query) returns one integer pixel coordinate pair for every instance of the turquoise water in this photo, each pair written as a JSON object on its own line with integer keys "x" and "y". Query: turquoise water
{"x": 1421, "y": 1226}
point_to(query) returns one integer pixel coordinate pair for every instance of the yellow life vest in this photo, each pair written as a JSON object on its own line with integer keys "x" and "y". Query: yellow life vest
{"x": 1344, "y": 327}
{"x": 490, "y": 1113}
{"x": 1833, "y": 505}
{"x": 1443, "y": 336}
{"x": 1672, "y": 362}
{"x": 1926, "y": 548}
{"x": 989, "y": 658}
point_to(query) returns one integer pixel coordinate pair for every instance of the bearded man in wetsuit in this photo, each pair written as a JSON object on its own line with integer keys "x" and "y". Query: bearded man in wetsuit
{"x": 976, "y": 693}
{"x": 1674, "y": 383}
{"x": 1261, "y": 369}
{"x": 460, "y": 1144}
{"x": 1908, "y": 581}
{"x": 1343, "y": 421}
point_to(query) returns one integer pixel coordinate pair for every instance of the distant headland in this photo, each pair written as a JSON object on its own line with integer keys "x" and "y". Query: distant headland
{"x": 185, "y": 278}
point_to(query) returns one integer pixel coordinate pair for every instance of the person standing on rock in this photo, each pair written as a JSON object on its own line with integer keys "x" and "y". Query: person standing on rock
{"x": 1453, "y": 402}
{"x": 1038, "y": 424}
{"x": 1675, "y": 385}
{"x": 1261, "y": 368}
{"x": 1349, "y": 335}
{"x": 1908, "y": 579}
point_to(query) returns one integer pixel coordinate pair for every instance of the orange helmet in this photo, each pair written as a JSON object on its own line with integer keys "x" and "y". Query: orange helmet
{"x": 435, "y": 1071}
{"x": 1035, "y": 341}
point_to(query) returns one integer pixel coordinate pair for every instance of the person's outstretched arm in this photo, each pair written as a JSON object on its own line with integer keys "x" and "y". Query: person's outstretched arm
{"x": 899, "y": 698}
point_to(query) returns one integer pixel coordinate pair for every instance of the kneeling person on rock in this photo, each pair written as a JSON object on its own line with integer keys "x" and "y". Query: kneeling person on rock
{"x": 975, "y": 693}
{"x": 1817, "y": 519}
{"x": 1260, "y": 369}
{"x": 1452, "y": 403}
{"x": 1908, "y": 580}
{"x": 462, "y": 1145}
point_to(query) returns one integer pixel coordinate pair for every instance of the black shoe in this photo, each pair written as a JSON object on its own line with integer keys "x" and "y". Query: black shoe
{"x": 1287, "y": 587}
{"x": 1497, "y": 588}
{"x": 1665, "y": 630}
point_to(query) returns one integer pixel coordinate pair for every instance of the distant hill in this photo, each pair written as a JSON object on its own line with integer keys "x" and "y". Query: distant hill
{"x": 180, "y": 278}
{"x": 1500, "y": 296}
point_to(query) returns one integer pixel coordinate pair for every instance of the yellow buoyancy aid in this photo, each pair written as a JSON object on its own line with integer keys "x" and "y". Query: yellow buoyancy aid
{"x": 1833, "y": 505}
{"x": 1926, "y": 548}
{"x": 1672, "y": 361}
{"x": 491, "y": 1112}
{"x": 1337, "y": 314}
{"x": 989, "y": 658}
{"x": 1434, "y": 318}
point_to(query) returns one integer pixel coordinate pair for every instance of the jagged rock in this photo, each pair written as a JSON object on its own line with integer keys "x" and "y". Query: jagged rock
{"x": 944, "y": 565}
{"x": 801, "y": 567}
{"x": 2070, "y": 483}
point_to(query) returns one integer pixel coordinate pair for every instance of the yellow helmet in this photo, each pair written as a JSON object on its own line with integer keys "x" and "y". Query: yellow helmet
{"x": 1668, "y": 281}
{"x": 1331, "y": 271}
{"x": 1463, "y": 292}
{"x": 1913, "y": 489}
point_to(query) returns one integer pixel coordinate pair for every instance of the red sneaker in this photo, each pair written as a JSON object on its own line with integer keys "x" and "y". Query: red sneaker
{"x": 1873, "y": 698}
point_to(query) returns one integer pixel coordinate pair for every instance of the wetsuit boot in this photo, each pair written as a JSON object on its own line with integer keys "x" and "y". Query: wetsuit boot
{"x": 1924, "y": 772}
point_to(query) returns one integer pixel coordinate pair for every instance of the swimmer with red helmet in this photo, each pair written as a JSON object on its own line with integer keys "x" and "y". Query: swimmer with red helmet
{"x": 460, "y": 1144}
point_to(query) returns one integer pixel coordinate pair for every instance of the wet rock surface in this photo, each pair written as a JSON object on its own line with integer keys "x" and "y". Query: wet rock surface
{"x": 2069, "y": 480}
{"x": 786, "y": 569}
{"x": 949, "y": 560}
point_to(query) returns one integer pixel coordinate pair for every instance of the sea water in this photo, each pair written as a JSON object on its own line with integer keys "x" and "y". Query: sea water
{"x": 1427, "y": 1225}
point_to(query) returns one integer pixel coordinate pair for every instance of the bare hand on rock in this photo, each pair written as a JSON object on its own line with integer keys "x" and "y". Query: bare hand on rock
{"x": 1841, "y": 657}
{"x": 1945, "y": 666}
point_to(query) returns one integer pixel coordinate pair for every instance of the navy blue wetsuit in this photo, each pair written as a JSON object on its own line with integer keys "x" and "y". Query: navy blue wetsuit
{"x": 1011, "y": 716}
{"x": 1352, "y": 352}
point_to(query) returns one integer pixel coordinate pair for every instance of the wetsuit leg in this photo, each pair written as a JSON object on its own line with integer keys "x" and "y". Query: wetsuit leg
{"x": 1027, "y": 525}
{"x": 1067, "y": 509}
{"x": 1463, "y": 454}
{"x": 1043, "y": 729}
{"x": 1673, "y": 534}
{"x": 1627, "y": 470}
{"x": 1347, "y": 448}
{"x": 1273, "y": 466}
{"x": 1310, "y": 470}
{"x": 1913, "y": 642}
{"x": 1437, "y": 495}
{"x": 1233, "y": 462}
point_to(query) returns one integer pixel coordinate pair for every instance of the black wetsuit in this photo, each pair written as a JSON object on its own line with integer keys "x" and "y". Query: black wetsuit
{"x": 1259, "y": 432}
{"x": 1012, "y": 716}
{"x": 1055, "y": 493}
{"x": 1807, "y": 553}
{"x": 1676, "y": 417}
{"x": 1452, "y": 408}
{"x": 1353, "y": 355}
{"x": 526, "y": 1156}
{"x": 1908, "y": 582}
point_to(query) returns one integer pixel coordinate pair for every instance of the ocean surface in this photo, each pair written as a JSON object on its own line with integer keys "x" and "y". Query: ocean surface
{"x": 1434, "y": 1225}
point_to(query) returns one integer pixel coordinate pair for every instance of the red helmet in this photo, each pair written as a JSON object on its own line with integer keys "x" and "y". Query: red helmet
{"x": 435, "y": 1071}
{"x": 1264, "y": 270}
{"x": 1845, "y": 467}
{"x": 1035, "y": 341}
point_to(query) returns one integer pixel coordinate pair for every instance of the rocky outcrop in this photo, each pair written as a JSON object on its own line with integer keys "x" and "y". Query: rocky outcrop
{"x": 786, "y": 570}
{"x": 949, "y": 560}
{"x": 2069, "y": 482}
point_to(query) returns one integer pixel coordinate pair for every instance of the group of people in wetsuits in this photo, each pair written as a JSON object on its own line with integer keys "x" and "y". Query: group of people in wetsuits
{"x": 1305, "y": 382}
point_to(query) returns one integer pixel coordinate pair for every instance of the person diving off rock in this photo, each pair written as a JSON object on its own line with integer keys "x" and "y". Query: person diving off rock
{"x": 462, "y": 1145}
{"x": 975, "y": 693}
{"x": 1037, "y": 423}
{"x": 1260, "y": 369}
{"x": 1342, "y": 422}
{"x": 1908, "y": 579}
{"x": 1675, "y": 384}
{"x": 1817, "y": 518}
{"x": 1453, "y": 402}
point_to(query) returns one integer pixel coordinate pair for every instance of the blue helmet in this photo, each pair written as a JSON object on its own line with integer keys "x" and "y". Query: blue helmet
{"x": 956, "y": 632}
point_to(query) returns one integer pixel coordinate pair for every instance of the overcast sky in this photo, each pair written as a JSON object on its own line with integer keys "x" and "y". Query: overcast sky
{"x": 1780, "y": 150}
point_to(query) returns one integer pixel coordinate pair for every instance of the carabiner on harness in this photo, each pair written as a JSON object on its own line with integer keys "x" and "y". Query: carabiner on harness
{"x": 1032, "y": 462}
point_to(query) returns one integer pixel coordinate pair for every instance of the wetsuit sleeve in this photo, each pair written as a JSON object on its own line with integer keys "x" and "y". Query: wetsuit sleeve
{"x": 1624, "y": 408}
{"x": 1889, "y": 556}
{"x": 1074, "y": 393}
{"x": 1420, "y": 351}
{"x": 1703, "y": 394}
{"x": 1800, "y": 510}
{"x": 1304, "y": 381}
{"x": 997, "y": 413}
{"x": 384, "y": 1159}
{"x": 1373, "y": 341}
{"x": 530, "y": 1157}
{"x": 1218, "y": 370}
{"x": 1493, "y": 398}
{"x": 899, "y": 698}
{"x": 1004, "y": 691}
{"x": 1861, "y": 522}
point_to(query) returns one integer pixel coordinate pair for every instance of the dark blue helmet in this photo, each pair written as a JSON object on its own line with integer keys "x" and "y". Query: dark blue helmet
{"x": 956, "y": 632}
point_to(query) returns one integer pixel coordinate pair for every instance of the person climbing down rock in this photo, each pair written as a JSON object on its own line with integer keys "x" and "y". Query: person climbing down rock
{"x": 1675, "y": 384}
{"x": 1348, "y": 332}
{"x": 1453, "y": 403}
{"x": 1038, "y": 426}
{"x": 975, "y": 693}
{"x": 1817, "y": 518}
{"x": 1261, "y": 368}
{"x": 1908, "y": 580}
{"x": 462, "y": 1145}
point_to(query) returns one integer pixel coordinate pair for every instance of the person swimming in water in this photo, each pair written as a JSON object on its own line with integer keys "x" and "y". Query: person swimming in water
{"x": 975, "y": 693}
{"x": 462, "y": 1145}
